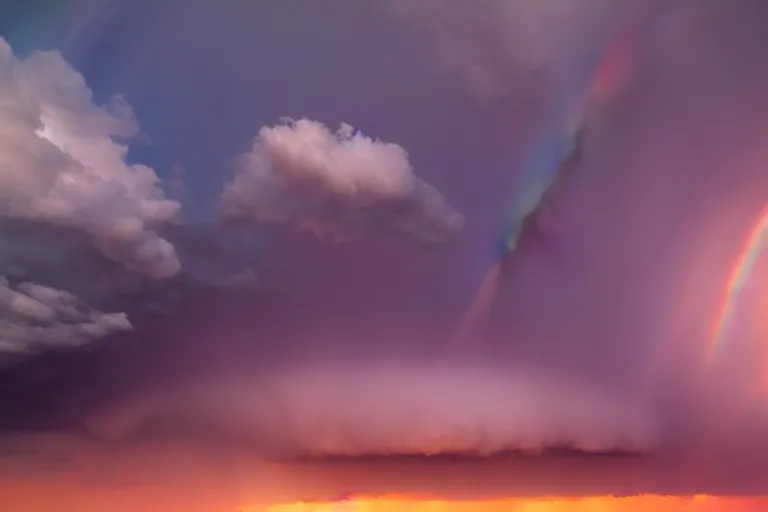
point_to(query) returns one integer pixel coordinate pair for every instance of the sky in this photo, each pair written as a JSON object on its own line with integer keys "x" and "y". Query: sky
{"x": 236, "y": 224}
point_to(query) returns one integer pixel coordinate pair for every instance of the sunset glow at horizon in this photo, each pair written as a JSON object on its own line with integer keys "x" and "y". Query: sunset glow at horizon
{"x": 586, "y": 504}
{"x": 142, "y": 501}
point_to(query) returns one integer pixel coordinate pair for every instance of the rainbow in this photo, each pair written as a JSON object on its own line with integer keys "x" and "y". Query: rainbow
{"x": 745, "y": 261}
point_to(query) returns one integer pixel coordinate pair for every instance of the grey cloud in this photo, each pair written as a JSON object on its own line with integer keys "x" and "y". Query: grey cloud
{"x": 71, "y": 266}
{"x": 35, "y": 317}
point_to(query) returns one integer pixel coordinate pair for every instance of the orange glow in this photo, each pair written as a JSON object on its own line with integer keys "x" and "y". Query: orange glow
{"x": 216, "y": 495}
{"x": 590, "y": 504}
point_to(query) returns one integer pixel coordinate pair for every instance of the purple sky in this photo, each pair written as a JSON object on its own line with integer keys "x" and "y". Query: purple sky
{"x": 620, "y": 295}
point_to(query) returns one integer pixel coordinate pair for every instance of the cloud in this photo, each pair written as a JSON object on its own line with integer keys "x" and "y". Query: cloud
{"x": 628, "y": 295}
{"x": 67, "y": 261}
{"x": 335, "y": 185}
{"x": 387, "y": 409}
{"x": 34, "y": 317}
{"x": 497, "y": 46}
{"x": 61, "y": 163}
{"x": 82, "y": 231}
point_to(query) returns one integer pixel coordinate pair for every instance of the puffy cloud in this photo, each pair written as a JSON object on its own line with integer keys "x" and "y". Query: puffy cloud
{"x": 380, "y": 409}
{"x": 334, "y": 184}
{"x": 61, "y": 163}
{"x": 34, "y": 317}
{"x": 71, "y": 266}
{"x": 91, "y": 231}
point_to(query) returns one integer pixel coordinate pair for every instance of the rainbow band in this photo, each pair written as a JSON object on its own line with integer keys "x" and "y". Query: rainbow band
{"x": 602, "y": 77}
{"x": 745, "y": 262}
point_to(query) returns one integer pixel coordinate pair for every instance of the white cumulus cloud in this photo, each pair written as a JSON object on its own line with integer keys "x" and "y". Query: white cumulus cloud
{"x": 62, "y": 162}
{"x": 334, "y": 184}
